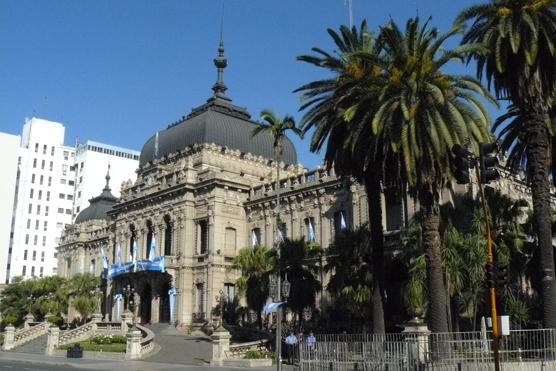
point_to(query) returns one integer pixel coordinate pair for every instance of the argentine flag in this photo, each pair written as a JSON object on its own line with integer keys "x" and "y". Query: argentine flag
{"x": 103, "y": 258}
{"x": 311, "y": 231}
{"x": 343, "y": 224}
{"x": 118, "y": 255}
{"x": 152, "y": 251}
{"x": 254, "y": 240}
{"x": 134, "y": 256}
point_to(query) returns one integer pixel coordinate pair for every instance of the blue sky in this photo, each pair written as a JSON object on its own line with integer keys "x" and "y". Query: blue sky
{"x": 115, "y": 71}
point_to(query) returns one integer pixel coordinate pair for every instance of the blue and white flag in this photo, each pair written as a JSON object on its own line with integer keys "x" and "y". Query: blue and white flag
{"x": 134, "y": 256}
{"x": 118, "y": 255}
{"x": 92, "y": 268}
{"x": 172, "y": 298}
{"x": 343, "y": 224}
{"x": 311, "y": 231}
{"x": 272, "y": 307}
{"x": 254, "y": 239}
{"x": 103, "y": 259}
{"x": 152, "y": 250}
{"x": 279, "y": 236}
{"x": 117, "y": 304}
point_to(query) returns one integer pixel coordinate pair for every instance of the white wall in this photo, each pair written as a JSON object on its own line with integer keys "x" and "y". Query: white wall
{"x": 8, "y": 168}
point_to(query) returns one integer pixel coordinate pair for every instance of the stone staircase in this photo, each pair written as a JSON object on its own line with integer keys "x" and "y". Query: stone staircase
{"x": 35, "y": 346}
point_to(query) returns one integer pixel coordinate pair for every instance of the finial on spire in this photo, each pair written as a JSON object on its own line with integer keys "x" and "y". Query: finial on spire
{"x": 220, "y": 62}
{"x": 107, "y": 177}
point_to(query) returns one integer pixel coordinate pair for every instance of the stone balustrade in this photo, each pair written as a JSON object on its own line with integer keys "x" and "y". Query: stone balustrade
{"x": 15, "y": 338}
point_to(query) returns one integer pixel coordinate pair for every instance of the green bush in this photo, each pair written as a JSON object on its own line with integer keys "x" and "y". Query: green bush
{"x": 57, "y": 320}
{"x": 109, "y": 339}
{"x": 93, "y": 347}
{"x": 9, "y": 319}
{"x": 257, "y": 354}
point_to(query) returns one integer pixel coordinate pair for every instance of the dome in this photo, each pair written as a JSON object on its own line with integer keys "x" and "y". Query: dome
{"x": 98, "y": 206}
{"x": 217, "y": 121}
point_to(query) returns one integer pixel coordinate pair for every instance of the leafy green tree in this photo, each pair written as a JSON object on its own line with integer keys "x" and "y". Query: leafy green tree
{"x": 81, "y": 287}
{"x": 521, "y": 67}
{"x": 256, "y": 265}
{"x": 415, "y": 289}
{"x": 299, "y": 260}
{"x": 350, "y": 146}
{"x": 348, "y": 263}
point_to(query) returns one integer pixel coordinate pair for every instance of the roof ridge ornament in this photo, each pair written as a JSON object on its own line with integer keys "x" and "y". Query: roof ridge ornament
{"x": 220, "y": 62}
{"x": 107, "y": 177}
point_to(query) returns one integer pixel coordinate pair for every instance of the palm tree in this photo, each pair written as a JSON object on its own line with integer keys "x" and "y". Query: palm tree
{"x": 348, "y": 262}
{"x": 422, "y": 112}
{"x": 256, "y": 265}
{"x": 350, "y": 146}
{"x": 521, "y": 66}
{"x": 299, "y": 260}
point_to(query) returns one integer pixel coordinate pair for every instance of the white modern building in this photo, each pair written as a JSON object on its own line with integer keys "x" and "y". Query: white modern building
{"x": 43, "y": 199}
{"x": 91, "y": 164}
{"x": 9, "y": 145}
{"x": 45, "y": 185}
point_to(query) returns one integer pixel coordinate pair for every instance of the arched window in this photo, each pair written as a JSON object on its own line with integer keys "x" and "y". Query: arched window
{"x": 168, "y": 236}
{"x": 150, "y": 235}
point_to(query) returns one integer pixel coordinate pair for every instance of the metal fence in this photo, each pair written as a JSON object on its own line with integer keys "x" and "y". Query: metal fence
{"x": 522, "y": 350}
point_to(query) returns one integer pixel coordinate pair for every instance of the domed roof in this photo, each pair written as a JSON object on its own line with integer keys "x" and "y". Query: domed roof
{"x": 217, "y": 121}
{"x": 98, "y": 206}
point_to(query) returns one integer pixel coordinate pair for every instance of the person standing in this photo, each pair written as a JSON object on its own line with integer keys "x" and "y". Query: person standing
{"x": 291, "y": 342}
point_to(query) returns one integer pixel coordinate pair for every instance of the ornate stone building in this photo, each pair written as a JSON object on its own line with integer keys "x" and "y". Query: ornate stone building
{"x": 205, "y": 189}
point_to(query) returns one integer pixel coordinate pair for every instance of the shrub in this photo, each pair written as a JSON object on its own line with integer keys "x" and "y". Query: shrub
{"x": 9, "y": 319}
{"x": 109, "y": 339}
{"x": 57, "y": 320}
{"x": 257, "y": 354}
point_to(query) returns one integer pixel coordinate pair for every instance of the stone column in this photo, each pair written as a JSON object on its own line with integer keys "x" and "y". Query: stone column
{"x": 155, "y": 307}
{"x": 417, "y": 335}
{"x": 133, "y": 344}
{"x": 53, "y": 337}
{"x": 9, "y": 337}
{"x": 220, "y": 346}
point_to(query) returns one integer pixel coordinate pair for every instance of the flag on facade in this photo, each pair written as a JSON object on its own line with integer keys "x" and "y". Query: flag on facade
{"x": 92, "y": 268}
{"x": 117, "y": 303}
{"x": 118, "y": 255}
{"x": 172, "y": 298}
{"x": 103, "y": 258}
{"x": 152, "y": 251}
{"x": 343, "y": 224}
{"x": 311, "y": 231}
{"x": 279, "y": 236}
{"x": 134, "y": 256}
{"x": 271, "y": 308}
{"x": 254, "y": 240}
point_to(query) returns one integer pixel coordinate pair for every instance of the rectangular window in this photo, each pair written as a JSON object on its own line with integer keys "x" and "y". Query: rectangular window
{"x": 30, "y": 209}
{"x": 69, "y": 197}
{"x": 60, "y": 210}
{"x": 340, "y": 221}
{"x": 59, "y": 225}
{"x": 34, "y": 163}
{"x": 44, "y": 240}
{"x": 34, "y": 255}
{"x": 36, "y": 148}
{"x": 68, "y": 211}
{"x": 310, "y": 233}
{"x": 35, "y": 240}
{"x": 200, "y": 300}
{"x": 41, "y": 269}
{"x": 45, "y": 225}
{"x": 42, "y": 256}
{"x": 230, "y": 291}
{"x": 44, "y": 149}
{"x": 52, "y": 151}
{"x": 46, "y": 211}
{"x": 33, "y": 178}
{"x": 42, "y": 178}
{"x": 24, "y": 271}
{"x": 71, "y": 182}
{"x": 255, "y": 237}
{"x": 42, "y": 164}
{"x": 28, "y": 223}
{"x": 66, "y": 154}
{"x": 393, "y": 209}
{"x": 62, "y": 196}
{"x": 24, "y": 254}
{"x": 202, "y": 237}
{"x": 27, "y": 239}
{"x": 80, "y": 179}
{"x": 40, "y": 194}
{"x": 37, "y": 225}
{"x": 31, "y": 193}
{"x": 47, "y": 195}
{"x": 62, "y": 181}
{"x": 33, "y": 271}
{"x": 38, "y": 209}
{"x": 49, "y": 181}
{"x": 78, "y": 194}
{"x": 51, "y": 165}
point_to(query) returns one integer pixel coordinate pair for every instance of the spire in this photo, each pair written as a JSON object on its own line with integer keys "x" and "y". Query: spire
{"x": 107, "y": 177}
{"x": 220, "y": 62}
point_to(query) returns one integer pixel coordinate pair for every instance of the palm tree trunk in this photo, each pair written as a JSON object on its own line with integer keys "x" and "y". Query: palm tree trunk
{"x": 538, "y": 152}
{"x": 372, "y": 186}
{"x": 438, "y": 319}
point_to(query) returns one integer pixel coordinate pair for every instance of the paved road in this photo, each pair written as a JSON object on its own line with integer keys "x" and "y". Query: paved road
{"x": 26, "y": 366}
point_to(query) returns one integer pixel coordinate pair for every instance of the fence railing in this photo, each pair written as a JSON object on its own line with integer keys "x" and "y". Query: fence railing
{"x": 522, "y": 350}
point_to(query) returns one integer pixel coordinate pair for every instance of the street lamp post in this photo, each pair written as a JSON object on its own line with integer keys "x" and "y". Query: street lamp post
{"x": 221, "y": 299}
{"x": 129, "y": 293}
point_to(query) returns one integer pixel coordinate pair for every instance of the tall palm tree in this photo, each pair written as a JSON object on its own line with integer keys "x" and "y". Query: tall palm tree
{"x": 422, "y": 112}
{"x": 256, "y": 265}
{"x": 521, "y": 66}
{"x": 349, "y": 142}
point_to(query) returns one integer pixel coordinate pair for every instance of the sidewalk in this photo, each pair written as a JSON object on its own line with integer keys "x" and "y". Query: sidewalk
{"x": 108, "y": 365}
